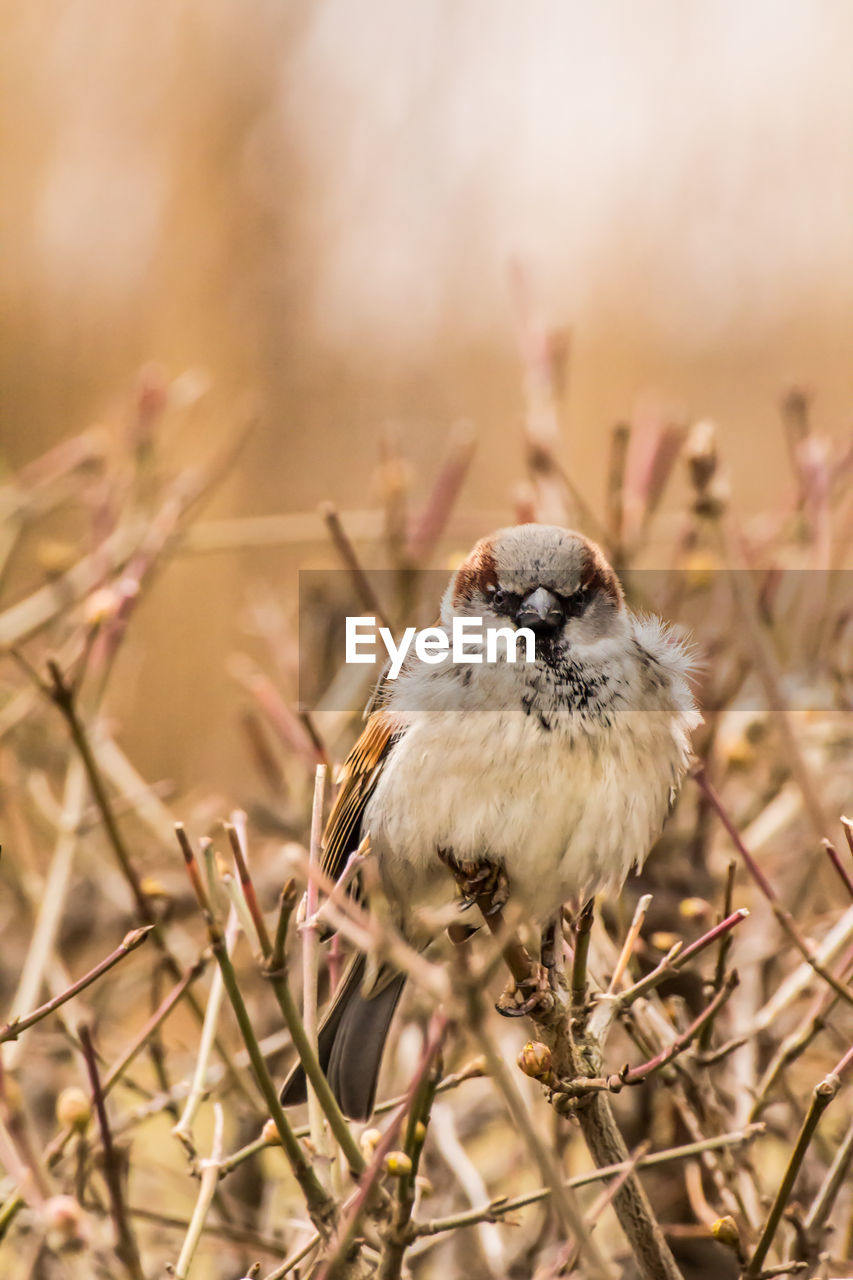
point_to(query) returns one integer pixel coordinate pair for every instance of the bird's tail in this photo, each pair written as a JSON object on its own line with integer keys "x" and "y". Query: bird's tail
{"x": 351, "y": 1040}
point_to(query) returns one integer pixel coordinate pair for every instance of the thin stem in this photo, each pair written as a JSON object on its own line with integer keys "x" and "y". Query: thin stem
{"x": 125, "y": 1247}
{"x": 724, "y": 947}
{"x": 63, "y": 696}
{"x": 399, "y": 1235}
{"x": 501, "y": 1206}
{"x": 565, "y": 1203}
{"x": 677, "y": 957}
{"x": 311, "y": 953}
{"x": 295, "y": 1258}
{"x": 207, "y": 1191}
{"x": 583, "y": 929}
{"x": 786, "y": 920}
{"x": 843, "y": 873}
{"x": 307, "y": 1054}
{"x": 347, "y": 1229}
{"x": 128, "y": 944}
{"x": 638, "y": 1075}
{"x": 630, "y": 940}
{"x": 817, "y": 1216}
{"x": 821, "y": 1098}
{"x": 248, "y": 887}
{"x": 346, "y": 550}
{"x": 321, "y": 1208}
{"x": 183, "y": 1129}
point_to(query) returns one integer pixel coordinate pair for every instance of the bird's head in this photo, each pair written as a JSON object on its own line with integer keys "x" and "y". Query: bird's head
{"x": 552, "y": 580}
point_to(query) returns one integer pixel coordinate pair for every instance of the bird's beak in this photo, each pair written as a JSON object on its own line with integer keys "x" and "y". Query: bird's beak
{"x": 541, "y": 611}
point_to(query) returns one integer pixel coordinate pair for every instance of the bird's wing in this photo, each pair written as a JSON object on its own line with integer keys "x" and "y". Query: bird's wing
{"x": 362, "y": 768}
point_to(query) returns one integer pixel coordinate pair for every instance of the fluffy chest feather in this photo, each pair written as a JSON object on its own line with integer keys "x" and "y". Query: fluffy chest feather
{"x": 567, "y": 786}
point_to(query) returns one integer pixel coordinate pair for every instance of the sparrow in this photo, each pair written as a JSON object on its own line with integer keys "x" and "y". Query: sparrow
{"x": 545, "y": 780}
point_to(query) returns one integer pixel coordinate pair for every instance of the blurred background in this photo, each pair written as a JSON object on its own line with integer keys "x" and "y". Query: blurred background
{"x": 319, "y": 208}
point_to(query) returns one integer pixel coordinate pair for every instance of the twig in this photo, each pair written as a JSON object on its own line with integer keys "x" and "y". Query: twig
{"x": 399, "y": 1234}
{"x": 311, "y": 954}
{"x": 246, "y": 882}
{"x": 154, "y": 1022}
{"x": 348, "y": 1227}
{"x": 630, "y": 941}
{"x": 53, "y": 894}
{"x": 209, "y": 1179}
{"x": 321, "y": 1208}
{"x": 275, "y": 971}
{"x": 295, "y": 1258}
{"x": 498, "y": 1208}
{"x": 183, "y": 1129}
{"x": 843, "y": 873}
{"x": 786, "y": 920}
{"x": 346, "y": 550}
{"x": 638, "y": 1075}
{"x": 723, "y": 949}
{"x": 583, "y": 929}
{"x": 565, "y": 1203}
{"x": 817, "y": 1216}
{"x": 125, "y": 1247}
{"x": 677, "y": 957}
{"x": 821, "y": 1097}
{"x": 128, "y": 944}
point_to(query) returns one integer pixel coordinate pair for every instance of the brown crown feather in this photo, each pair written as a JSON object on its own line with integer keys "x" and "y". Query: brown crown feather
{"x": 476, "y": 574}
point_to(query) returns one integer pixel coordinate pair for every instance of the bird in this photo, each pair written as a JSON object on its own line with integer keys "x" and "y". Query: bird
{"x": 544, "y": 781}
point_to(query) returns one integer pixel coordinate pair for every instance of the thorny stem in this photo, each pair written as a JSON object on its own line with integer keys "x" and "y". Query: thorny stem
{"x": 821, "y": 1097}
{"x": 126, "y": 1247}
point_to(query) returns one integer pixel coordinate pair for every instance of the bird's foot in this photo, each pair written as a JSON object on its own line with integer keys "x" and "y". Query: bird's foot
{"x": 550, "y": 951}
{"x": 483, "y": 883}
{"x": 531, "y": 997}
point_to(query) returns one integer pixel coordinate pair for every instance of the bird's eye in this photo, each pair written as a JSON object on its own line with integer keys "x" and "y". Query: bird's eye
{"x": 574, "y": 603}
{"x": 497, "y": 598}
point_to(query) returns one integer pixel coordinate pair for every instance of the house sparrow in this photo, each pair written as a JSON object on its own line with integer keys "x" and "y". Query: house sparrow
{"x": 545, "y": 780}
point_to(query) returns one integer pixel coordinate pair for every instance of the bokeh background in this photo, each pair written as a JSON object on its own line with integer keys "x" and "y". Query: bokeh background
{"x": 318, "y": 207}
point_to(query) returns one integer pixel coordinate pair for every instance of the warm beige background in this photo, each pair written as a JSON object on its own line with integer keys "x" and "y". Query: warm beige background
{"x": 318, "y": 204}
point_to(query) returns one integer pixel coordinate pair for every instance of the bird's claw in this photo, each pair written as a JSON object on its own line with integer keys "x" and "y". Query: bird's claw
{"x": 532, "y": 997}
{"x": 483, "y": 884}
